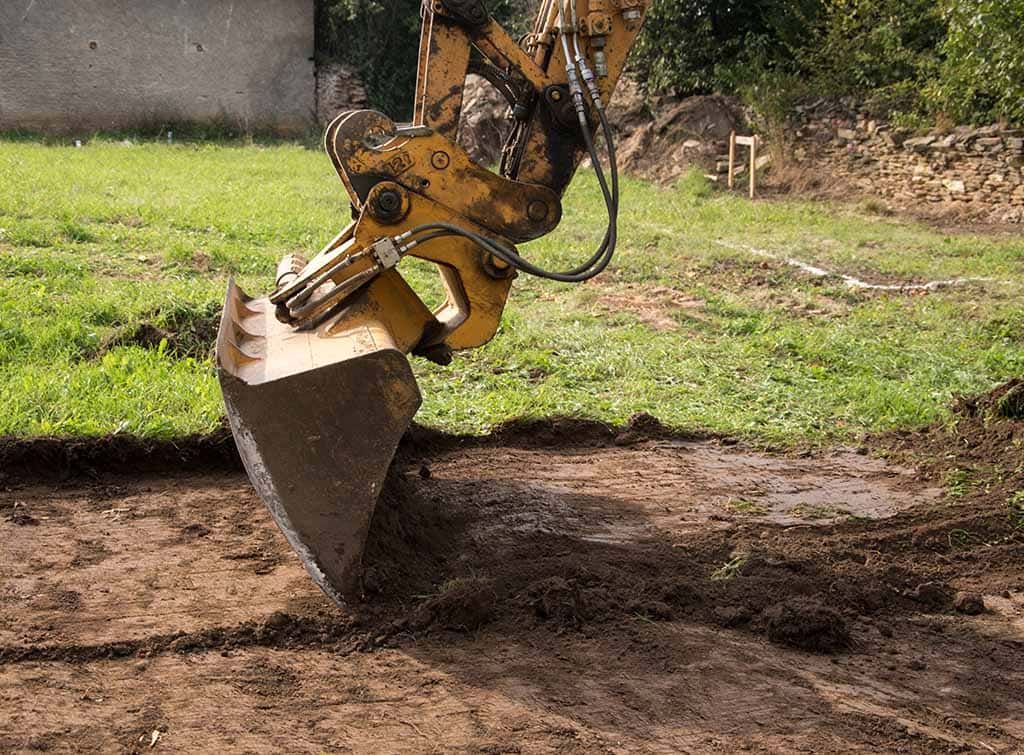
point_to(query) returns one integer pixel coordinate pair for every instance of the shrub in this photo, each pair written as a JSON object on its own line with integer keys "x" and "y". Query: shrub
{"x": 982, "y": 78}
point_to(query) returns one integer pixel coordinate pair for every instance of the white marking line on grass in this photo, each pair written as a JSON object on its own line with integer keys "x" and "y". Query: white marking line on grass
{"x": 849, "y": 280}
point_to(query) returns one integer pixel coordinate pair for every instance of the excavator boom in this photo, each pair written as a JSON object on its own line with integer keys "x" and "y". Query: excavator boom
{"x": 315, "y": 377}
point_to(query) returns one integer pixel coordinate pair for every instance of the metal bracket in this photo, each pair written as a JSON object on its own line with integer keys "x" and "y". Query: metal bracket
{"x": 386, "y": 253}
{"x": 471, "y": 13}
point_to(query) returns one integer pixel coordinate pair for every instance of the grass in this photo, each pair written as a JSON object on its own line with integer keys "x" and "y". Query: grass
{"x": 730, "y": 568}
{"x": 1016, "y": 504}
{"x": 95, "y": 242}
{"x": 743, "y": 506}
{"x": 958, "y": 483}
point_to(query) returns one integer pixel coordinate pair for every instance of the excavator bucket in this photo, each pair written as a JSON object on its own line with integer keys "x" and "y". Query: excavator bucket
{"x": 317, "y": 416}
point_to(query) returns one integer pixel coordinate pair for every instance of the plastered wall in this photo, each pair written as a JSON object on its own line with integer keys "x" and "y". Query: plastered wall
{"x": 73, "y": 65}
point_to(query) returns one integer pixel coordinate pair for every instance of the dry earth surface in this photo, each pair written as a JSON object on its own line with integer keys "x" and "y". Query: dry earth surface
{"x": 559, "y": 586}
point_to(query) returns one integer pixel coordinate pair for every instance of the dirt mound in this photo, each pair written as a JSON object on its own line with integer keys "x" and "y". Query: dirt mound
{"x": 978, "y": 457}
{"x": 807, "y": 624}
{"x": 483, "y": 122}
{"x": 660, "y": 138}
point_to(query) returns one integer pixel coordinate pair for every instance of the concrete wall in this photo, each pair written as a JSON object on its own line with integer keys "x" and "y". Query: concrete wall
{"x": 72, "y": 65}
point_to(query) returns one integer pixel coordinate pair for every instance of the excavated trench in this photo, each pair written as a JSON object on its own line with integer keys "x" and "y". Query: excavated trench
{"x": 557, "y": 585}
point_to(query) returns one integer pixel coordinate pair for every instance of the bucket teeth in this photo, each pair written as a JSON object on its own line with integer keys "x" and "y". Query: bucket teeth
{"x": 316, "y": 419}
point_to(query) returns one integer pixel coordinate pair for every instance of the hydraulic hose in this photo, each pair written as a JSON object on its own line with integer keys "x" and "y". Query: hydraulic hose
{"x": 576, "y": 67}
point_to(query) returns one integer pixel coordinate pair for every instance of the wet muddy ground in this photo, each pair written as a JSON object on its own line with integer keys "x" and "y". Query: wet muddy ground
{"x": 555, "y": 587}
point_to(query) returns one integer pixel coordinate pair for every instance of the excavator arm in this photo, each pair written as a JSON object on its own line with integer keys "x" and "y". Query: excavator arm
{"x": 315, "y": 378}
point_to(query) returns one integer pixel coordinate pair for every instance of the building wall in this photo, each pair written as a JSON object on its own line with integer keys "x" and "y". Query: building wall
{"x": 72, "y": 65}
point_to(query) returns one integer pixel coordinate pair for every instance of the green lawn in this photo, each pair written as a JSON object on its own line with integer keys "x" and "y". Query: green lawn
{"x": 95, "y": 241}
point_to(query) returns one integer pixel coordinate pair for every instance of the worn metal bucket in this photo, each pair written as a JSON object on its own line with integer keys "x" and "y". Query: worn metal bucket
{"x": 317, "y": 416}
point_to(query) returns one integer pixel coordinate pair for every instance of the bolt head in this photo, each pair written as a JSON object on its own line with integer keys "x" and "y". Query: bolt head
{"x": 389, "y": 200}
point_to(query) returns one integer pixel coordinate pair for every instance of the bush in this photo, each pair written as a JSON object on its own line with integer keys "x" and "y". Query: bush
{"x": 874, "y": 48}
{"x": 982, "y": 78}
{"x": 917, "y": 60}
{"x": 685, "y": 43}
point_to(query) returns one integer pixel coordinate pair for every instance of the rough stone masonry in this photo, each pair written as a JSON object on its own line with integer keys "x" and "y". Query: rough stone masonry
{"x": 975, "y": 170}
{"x": 74, "y": 65}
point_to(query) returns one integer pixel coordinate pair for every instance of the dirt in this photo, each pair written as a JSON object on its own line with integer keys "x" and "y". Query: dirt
{"x": 659, "y": 307}
{"x": 556, "y": 586}
{"x": 183, "y": 331}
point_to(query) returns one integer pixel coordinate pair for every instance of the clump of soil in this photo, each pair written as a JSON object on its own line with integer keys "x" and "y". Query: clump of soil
{"x": 462, "y": 605}
{"x": 969, "y": 603}
{"x": 556, "y": 600}
{"x": 1010, "y": 404}
{"x": 806, "y": 624}
{"x": 182, "y": 331}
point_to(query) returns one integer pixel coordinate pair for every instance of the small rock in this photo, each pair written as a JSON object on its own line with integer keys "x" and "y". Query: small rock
{"x": 920, "y": 144}
{"x": 917, "y": 665}
{"x": 969, "y": 603}
{"x": 933, "y": 594}
{"x": 278, "y": 620}
{"x": 425, "y": 472}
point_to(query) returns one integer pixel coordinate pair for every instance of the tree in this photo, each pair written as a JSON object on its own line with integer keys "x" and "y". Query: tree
{"x": 982, "y": 77}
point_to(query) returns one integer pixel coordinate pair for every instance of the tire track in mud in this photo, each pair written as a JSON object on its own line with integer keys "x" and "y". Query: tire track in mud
{"x": 279, "y": 630}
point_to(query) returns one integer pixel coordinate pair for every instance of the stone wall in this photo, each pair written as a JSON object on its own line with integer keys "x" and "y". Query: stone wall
{"x": 74, "y": 65}
{"x": 338, "y": 88}
{"x": 976, "y": 171}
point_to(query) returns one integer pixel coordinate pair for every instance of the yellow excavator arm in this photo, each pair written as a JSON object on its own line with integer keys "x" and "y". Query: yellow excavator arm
{"x": 316, "y": 382}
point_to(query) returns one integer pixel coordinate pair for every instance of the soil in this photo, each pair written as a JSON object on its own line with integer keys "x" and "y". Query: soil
{"x": 556, "y": 586}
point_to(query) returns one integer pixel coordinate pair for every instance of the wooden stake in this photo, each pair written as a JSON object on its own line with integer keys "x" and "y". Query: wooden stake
{"x": 753, "y": 162}
{"x": 732, "y": 155}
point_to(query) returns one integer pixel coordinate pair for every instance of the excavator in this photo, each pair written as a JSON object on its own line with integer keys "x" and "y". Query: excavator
{"x": 316, "y": 379}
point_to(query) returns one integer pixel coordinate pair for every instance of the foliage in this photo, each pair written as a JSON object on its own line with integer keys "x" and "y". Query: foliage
{"x": 685, "y": 43}
{"x": 982, "y": 77}
{"x": 916, "y": 60}
{"x": 881, "y": 50}
{"x": 379, "y": 39}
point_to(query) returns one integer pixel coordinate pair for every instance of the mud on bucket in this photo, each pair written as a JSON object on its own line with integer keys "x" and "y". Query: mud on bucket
{"x": 316, "y": 419}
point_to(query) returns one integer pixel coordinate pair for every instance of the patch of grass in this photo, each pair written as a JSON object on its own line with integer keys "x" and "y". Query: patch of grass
{"x": 814, "y": 512}
{"x": 958, "y": 483}
{"x": 730, "y": 568}
{"x": 99, "y": 241}
{"x": 694, "y": 184}
{"x": 1016, "y": 504}
{"x": 743, "y": 506}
